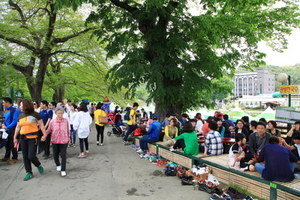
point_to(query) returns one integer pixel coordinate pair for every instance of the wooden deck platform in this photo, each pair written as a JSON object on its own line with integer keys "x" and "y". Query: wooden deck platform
{"x": 251, "y": 181}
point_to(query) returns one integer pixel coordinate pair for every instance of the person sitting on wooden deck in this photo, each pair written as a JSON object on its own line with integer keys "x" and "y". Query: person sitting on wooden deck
{"x": 189, "y": 139}
{"x": 295, "y": 148}
{"x": 279, "y": 162}
{"x": 258, "y": 140}
{"x": 213, "y": 141}
{"x": 171, "y": 131}
{"x": 152, "y": 134}
{"x": 237, "y": 155}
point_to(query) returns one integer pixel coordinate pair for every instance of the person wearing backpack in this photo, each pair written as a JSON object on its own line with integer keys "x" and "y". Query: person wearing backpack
{"x": 9, "y": 124}
{"x": 132, "y": 121}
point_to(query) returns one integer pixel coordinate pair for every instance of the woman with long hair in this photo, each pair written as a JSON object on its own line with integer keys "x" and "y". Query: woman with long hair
{"x": 36, "y": 106}
{"x": 100, "y": 112}
{"x": 240, "y": 128}
{"x": 82, "y": 124}
{"x": 27, "y": 127}
{"x": 72, "y": 115}
{"x": 199, "y": 123}
{"x": 171, "y": 131}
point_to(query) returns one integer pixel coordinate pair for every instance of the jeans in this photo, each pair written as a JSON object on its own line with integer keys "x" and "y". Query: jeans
{"x": 145, "y": 140}
{"x": 86, "y": 142}
{"x": 100, "y": 132}
{"x": 260, "y": 168}
{"x": 29, "y": 147}
{"x": 72, "y": 134}
{"x": 130, "y": 129}
{"x": 60, "y": 149}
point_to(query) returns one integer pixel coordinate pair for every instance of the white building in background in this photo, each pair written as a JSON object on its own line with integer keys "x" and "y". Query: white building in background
{"x": 254, "y": 83}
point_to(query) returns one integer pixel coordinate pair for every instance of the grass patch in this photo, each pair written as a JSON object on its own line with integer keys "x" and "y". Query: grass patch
{"x": 241, "y": 190}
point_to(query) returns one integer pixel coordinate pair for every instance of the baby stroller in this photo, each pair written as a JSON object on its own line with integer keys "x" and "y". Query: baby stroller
{"x": 117, "y": 128}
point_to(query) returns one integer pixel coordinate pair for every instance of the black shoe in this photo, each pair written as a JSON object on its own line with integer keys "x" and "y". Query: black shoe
{"x": 185, "y": 181}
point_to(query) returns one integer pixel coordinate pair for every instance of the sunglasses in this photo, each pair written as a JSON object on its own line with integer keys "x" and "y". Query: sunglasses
{"x": 34, "y": 103}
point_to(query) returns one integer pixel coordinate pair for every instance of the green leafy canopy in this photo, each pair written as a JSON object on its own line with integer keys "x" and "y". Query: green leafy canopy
{"x": 177, "y": 54}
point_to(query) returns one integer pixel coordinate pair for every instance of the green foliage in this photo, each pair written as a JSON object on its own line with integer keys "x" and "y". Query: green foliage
{"x": 176, "y": 54}
{"x": 222, "y": 88}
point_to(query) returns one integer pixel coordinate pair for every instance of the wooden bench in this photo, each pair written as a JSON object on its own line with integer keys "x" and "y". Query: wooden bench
{"x": 251, "y": 181}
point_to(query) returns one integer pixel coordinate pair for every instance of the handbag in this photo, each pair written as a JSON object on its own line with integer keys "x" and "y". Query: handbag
{"x": 102, "y": 119}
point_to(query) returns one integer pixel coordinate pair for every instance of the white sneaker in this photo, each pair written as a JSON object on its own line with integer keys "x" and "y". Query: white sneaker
{"x": 63, "y": 173}
{"x": 139, "y": 150}
{"x": 58, "y": 168}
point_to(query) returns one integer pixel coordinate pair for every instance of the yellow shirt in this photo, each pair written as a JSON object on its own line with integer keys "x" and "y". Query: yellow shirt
{"x": 133, "y": 117}
{"x": 98, "y": 113}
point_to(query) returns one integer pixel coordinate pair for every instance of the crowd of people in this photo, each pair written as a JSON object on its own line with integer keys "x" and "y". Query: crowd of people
{"x": 34, "y": 126}
{"x": 258, "y": 144}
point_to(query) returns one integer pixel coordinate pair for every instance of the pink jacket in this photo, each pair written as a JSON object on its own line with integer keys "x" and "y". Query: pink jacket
{"x": 60, "y": 130}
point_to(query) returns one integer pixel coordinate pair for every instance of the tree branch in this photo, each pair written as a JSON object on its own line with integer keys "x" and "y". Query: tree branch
{"x": 123, "y": 5}
{"x": 19, "y": 42}
{"x": 17, "y": 67}
{"x": 65, "y": 39}
{"x": 17, "y": 8}
{"x": 65, "y": 51}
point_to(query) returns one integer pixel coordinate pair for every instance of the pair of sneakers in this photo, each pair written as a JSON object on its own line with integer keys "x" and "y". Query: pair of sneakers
{"x": 29, "y": 175}
{"x": 62, "y": 173}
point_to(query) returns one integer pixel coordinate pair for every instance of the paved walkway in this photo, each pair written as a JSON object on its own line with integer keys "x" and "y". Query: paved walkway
{"x": 109, "y": 172}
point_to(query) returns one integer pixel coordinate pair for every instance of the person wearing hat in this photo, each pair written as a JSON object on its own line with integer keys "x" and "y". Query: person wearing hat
{"x": 152, "y": 134}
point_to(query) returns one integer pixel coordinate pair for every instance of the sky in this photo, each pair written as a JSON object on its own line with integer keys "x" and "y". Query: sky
{"x": 289, "y": 57}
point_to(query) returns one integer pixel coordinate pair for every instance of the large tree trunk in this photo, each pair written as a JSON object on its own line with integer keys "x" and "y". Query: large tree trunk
{"x": 59, "y": 94}
{"x": 162, "y": 110}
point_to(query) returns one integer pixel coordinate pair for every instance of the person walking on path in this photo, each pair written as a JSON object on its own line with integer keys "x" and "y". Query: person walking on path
{"x": 28, "y": 128}
{"x": 100, "y": 113}
{"x": 82, "y": 124}
{"x": 72, "y": 116}
{"x": 60, "y": 137}
{"x": 11, "y": 117}
{"x": 132, "y": 121}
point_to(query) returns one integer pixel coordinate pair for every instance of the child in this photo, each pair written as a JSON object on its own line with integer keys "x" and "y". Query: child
{"x": 236, "y": 155}
{"x": 60, "y": 137}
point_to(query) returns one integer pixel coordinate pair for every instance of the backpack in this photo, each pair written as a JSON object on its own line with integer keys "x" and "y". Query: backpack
{"x": 126, "y": 116}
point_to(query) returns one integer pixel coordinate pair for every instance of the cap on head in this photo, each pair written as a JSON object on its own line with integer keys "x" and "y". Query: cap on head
{"x": 154, "y": 116}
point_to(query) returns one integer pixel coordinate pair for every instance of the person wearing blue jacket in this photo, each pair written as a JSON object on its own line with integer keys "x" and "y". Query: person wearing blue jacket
{"x": 10, "y": 122}
{"x": 152, "y": 134}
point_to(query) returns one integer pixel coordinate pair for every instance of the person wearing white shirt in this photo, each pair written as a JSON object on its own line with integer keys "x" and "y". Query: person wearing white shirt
{"x": 72, "y": 116}
{"x": 82, "y": 124}
{"x": 68, "y": 106}
{"x": 199, "y": 123}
